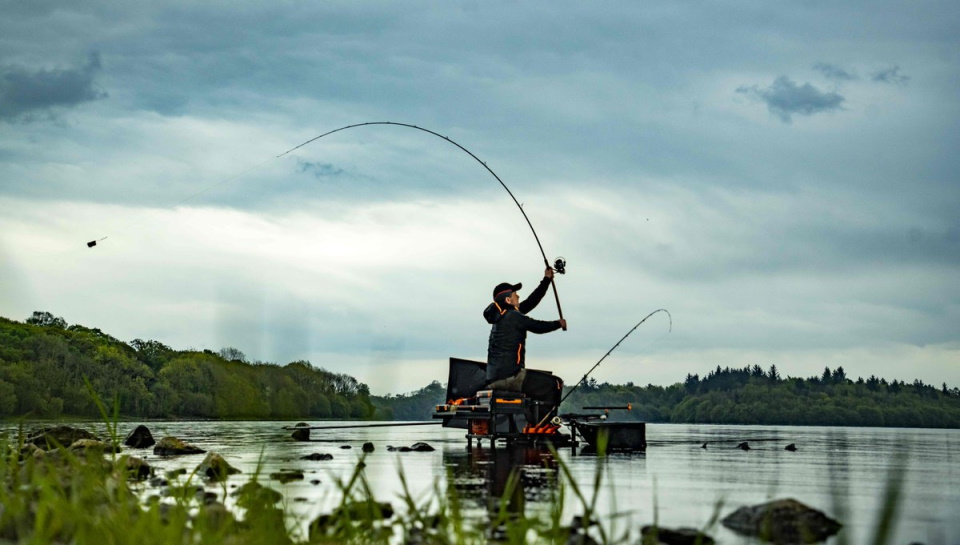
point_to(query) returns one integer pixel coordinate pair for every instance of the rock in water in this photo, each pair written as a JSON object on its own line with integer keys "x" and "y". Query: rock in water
{"x": 791, "y": 447}
{"x": 171, "y": 446}
{"x": 368, "y": 447}
{"x": 255, "y": 494}
{"x": 93, "y": 446}
{"x": 48, "y": 438}
{"x": 140, "y": 437}
{"x": 782, "y": 521}
{"x": 744, "y": 446}
{"x": 287, "y": 475}
{"x": 136, "y": 469}
{"x": 703, "y": 445}
{"x": 301, "y": 435}
{"x": 421, "y": 447}
{"x": 317, "y": 456}
{"x": 215, "y": 468}
{"x": 653, "y": 535}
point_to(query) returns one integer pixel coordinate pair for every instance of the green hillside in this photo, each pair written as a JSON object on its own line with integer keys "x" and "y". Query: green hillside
{"x": 44, "y": 361}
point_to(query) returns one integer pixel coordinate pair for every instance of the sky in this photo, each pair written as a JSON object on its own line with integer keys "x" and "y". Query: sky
{"x": 779, "y": 176}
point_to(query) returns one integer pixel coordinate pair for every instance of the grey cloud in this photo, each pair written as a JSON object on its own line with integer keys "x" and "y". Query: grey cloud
{"x": 320, "y": 170}
{"x": 785, "y": 98}
{"x": 25, "y": 93}
{"x": 890, "y": 75}
{"x": 834, "y": 72}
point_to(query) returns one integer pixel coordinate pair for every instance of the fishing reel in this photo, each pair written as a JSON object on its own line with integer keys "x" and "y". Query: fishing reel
{"x": 560, "y": 265}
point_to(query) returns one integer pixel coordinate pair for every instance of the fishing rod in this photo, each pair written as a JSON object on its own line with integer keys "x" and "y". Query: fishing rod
{"x": 559, "y": 265}
{"x": 361, "y": 426}
{"x": 582, "y": 380}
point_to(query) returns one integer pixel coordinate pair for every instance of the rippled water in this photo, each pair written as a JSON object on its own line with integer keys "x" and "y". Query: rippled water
{"x": 843, "y": 471}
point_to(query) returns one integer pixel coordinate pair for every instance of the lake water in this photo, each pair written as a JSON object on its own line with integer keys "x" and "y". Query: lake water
{"x": 842, "y": 471}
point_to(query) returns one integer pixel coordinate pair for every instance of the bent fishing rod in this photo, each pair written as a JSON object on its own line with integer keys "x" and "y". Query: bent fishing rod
{"x": 559, "y": 264}
{"x": 582, "y": 380}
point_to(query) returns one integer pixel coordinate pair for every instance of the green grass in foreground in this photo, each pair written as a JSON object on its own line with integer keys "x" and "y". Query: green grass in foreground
{"x": 60, "y": 496}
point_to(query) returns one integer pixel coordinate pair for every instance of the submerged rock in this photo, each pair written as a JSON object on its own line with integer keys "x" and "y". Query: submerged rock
{"x": 171, "y": 446}
{"x": 653, "y": 535}
{"x": 215, "y": 515}
{"x": 140, "y": 437}
{"x": 287, "y": 475}
{"x": 744, "y": 446}
{"x": 303, "y": 434}
{"x": 422, "y": 447}
{"x": 361, "y": 512}
{"x": 317, "y": 456}
{"x": 215, "y": 467}
{"x": 345, "y": 447}
{"x": 783, "y": 521}
{"x": 93, "y": 446}
{"x": 254, "y": 493}
{"x": 791, "y": 447}
{"x": 134, "y": 468}
{"x": 30, "y": 450}
{"x": 64, "y": 436}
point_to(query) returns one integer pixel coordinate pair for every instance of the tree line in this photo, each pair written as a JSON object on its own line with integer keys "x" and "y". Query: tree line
{"x": 46, "y": 364}
{"x": 748, "y": 395}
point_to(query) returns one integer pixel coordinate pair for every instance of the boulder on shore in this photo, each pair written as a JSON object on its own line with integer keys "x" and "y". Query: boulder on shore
{"x": 215, "y": 467}
{"x": 782, "y": 521}
{"x": 140, "y": 437}
{"x": 171, "y": 446}
{"x": 52, "y": 437}
{"x": 653, "y": 535}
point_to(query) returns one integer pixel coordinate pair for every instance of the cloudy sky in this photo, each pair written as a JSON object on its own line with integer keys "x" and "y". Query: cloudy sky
{"x": 782, "y": 177}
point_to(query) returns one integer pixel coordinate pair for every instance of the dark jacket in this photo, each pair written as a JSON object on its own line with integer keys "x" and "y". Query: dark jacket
{"x": 506, "y": 349}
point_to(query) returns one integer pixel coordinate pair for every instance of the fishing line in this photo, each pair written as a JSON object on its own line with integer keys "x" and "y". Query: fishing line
{"x": 559, "y": 264}
{"x": 634, "y": 328}
{"x": 582, "y": 380}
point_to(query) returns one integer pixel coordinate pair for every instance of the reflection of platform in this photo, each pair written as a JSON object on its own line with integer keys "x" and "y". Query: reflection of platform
{"x": 502, "y": 482}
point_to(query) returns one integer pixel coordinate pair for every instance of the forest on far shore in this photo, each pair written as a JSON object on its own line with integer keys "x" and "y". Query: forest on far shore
{"x": 48, "y": 369}
{"x": 46, "y": 364}
{"x": 748, "y": 395}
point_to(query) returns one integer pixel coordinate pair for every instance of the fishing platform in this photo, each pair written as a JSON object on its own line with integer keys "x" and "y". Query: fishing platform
{"x": 527, "y": 418}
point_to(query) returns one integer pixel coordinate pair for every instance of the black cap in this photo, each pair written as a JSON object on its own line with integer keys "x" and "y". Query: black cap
{"x": 504, "y": 287}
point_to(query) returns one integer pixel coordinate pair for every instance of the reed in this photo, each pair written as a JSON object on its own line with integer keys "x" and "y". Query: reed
{"x": 67, "y": 497}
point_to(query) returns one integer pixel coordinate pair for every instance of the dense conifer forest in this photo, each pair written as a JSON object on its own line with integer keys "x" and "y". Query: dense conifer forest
{"x": 45, "y": 365}
{"x": 749, "y": 395}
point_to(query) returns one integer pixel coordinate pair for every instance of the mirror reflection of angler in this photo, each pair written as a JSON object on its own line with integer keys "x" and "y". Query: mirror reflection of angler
{"x": 507, "y": 315}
